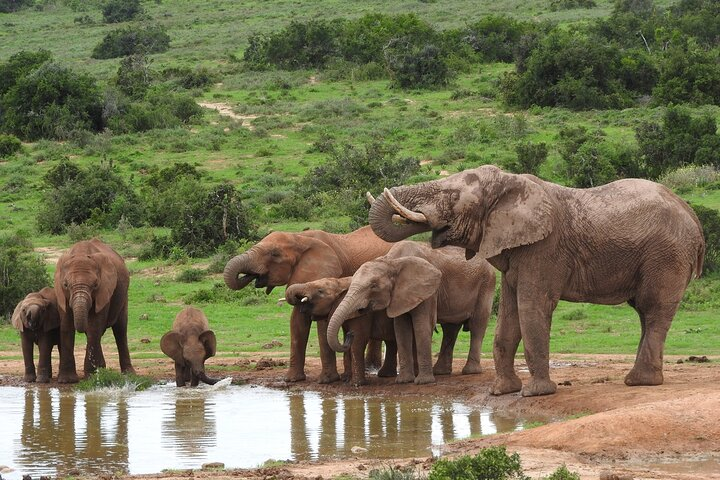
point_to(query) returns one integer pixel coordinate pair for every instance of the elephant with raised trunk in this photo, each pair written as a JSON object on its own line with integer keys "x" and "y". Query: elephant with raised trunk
{"x": 91, "y": 284}
{"x": 419, "y": 287}
{"x": 628, "y": 241}
{"x": 287, "y": 258}
{"x": 37, "y": 319}
{"x": 189, "y": 344}
{"x": 319, "y": 299}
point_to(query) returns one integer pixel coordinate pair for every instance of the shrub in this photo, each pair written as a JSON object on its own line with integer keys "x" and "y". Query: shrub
{"x": 190, "y": 275}
{"x": 562, "y": 473}
{"x": 529, "y": 158}
{"x": 115, "y": 11}
{"x": 19, "y": 65}
{"x": 710, "y": 220}
{"x": 491, "y": 463}
{"x": 132, "y": 40}
{"x": 134, "y": 76}
{"x": 684, "y": 179}
{"x": 199, "y": 78}
{"x": 9, "y": 145}
{"x": 166, "y": 191}
{"x": 591, "y": 161}
{"x": 413, "y": 66}
{"x": 688, "y": 74}
{"x": 556, "y": 5}
{"x": 10, "y": 6}
{"x": 496, "y": 37}
{"x": 21, "y": 271}
{"x": 51, "y": 102}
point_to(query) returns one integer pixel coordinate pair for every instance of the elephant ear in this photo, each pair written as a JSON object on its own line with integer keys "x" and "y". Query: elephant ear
{"x": 519, "y": 213}
{"x": 107, "y": 281}
{"x": 315, "y": 259}
{"x": 416, "y": 280}
{"x": 58, "y": 279}
{"x": 16, "y": 318}
{"x": 207, "y": 338}
{"x": 171, "y": 345}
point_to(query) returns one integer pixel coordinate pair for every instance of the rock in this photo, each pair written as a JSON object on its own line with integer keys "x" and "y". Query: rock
{"x": 695, "y": 359}
{"x": 144, "y": 340}
{"x": 357, "y": 450}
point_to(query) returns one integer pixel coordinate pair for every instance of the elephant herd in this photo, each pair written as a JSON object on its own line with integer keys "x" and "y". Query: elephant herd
{"x": 628, "y": 241}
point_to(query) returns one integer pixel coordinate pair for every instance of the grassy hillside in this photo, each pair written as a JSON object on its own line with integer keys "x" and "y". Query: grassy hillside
{"x": 269, "y": 132}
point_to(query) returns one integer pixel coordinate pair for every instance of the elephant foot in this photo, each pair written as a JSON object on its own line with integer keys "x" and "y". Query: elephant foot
{"x": 358, "y": 382}
{"x": 128, "y": 370}
{"x": 328, "y": 378}
{"x": 537, "y": 387}
{"x": 637, "y": 377}
{"x": 504, "y": 385}
{"x": 295, "y": 377}
{"x": 29, "y": 377}
{"x": 387, "y": 372}
{"x": 68, "y": 378}
{"x": 442, "y": 369}
{"x": 43, "y": 379}
{"x": 405, "y": 379}
{"x": 424, "y": 379}
{"x": 471, "y": 369}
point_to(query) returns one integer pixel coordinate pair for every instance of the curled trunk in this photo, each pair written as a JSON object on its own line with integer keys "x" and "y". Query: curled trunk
{"x": 345, "y": 311}
{"x": 381, "y": 218}
{"x": 235, "y": 266}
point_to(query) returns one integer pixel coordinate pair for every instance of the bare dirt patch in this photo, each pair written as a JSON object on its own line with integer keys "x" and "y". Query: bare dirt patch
{"x": 604, "y": 429}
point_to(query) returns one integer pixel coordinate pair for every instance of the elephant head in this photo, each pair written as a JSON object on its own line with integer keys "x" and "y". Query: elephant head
{"x": 83, "y": 281}
{"x": 319, "y": 297}
{"x": 189, "y": 344}
{"x": 37, "y": 311}
{"x": 483, "y": 210}
{"x": 395, "y": 285}
{"x": 282, "y": 259}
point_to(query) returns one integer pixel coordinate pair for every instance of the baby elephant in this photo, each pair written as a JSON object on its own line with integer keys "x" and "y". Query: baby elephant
{"x": 319, "y": 299}
{"x": 190, "y": 343}
{"x": 37, "y": 319}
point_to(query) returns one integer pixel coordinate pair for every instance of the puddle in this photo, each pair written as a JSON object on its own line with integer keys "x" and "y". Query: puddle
{"x": 47, "y": 431}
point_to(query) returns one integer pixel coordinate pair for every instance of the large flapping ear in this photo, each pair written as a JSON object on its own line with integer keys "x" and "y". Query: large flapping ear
{"x": 315, "y": 260}
{"x": 207, "y": 338}
{"x": 107, "y": 281}
{"x": 519, "y": 212}
{"x": 415, "y": 281}
{"x": 59, "y": 291}
{"x": 51, "y": 319}
{"x": 171, "y": 345}
{"x": 16, "y": 318}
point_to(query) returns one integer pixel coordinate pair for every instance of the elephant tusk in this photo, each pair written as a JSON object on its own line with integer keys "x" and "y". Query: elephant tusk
{"x": 416, "y": 217}
{"x": 399, "y": 219}
{"x": 281, "y": 300}
{"x": 369, "y": 197}
{"x": 304, "y": 299}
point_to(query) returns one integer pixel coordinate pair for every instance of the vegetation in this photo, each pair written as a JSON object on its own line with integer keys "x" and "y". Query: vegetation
{"x": 491, "y": 463}
{"x": 108, "y": 378}
{"x": 21, "y": 272}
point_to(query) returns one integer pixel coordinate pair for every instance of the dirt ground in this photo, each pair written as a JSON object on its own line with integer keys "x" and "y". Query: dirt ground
{"x": 606, "y": 430}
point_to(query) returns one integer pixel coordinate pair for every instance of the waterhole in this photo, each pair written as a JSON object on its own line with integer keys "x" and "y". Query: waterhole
{"x": 47, "y": 431}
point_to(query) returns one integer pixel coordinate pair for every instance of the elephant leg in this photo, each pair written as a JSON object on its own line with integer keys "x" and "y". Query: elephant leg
{"x": 194, "y": 380}
{"x": 404, "y": 338}
{"x": 655, "y": 321}
{"x": 120, "y": 334}
{"x": 94, "y": 357}
{"x": 373, "y": 355}
{"x": 45, "y": 346}
{"x": 505, "y": 345}
{"x": 535, "y": 309}
{"x": 357, "y": 350}
{"x": 67, "y": 373}
{"x": 347, "y": 367}
{"x": 424, "y": 320}
{"x": 329, "y": 373}
{"x": 299, "y": 335}
{"x": 477, "y": 324}
{"x": 27, "y": 351}
{"x": 180, "y": 374}
{"x": 443, "y": 365}
{"x": 389, "y": 368}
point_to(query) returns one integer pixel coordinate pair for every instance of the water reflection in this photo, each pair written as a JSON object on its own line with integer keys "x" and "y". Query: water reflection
{"x": 48, "y": 432}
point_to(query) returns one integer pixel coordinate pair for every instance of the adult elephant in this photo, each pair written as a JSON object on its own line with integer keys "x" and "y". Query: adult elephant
{"x": 320, "y": 298}
{"x": 91, "y": 285}
{"x": 417, "y": 287}
{"x": 628, "y": 241}
{"x": 283, "y": 258}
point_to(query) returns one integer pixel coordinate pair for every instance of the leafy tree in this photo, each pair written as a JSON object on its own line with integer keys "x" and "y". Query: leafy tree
{"x": 416, "y": 66}
{"x": 134, "y": 76}
{"x": 688, "y": 74}
{"x": 21, "y": 272}
{"x": 132, "y": 40}
{"x": 51, "y": 102}
{"x": 19, "y": 65}
{"x": 115, "y": 11}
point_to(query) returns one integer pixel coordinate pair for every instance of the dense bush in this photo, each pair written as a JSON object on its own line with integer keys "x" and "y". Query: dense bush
{"x": 492, "y": 463}
{"x": 681, "y": 140}
{"x": 556, "y": 5}
{"x": 9, "y": 145}
{"x": 19, "y": 65}
{"x": 688, "y": 74}
{"x": 529, "y": 158}
{"x": 166, "y": 190}
{"x": 51, "y": 102}
{"x": 416, "y": 66}
{"x": 159, "y": 108}
{"x": 9, "y": 6}
{"x": 132, "y": 40}
{"x": 134, "y": 76}
{"x": 97, "y": 195}
{"x": 21, "y": 272}
{"x": 115, "y": 11}
{"x": 710, "y": 220}
{"x": 496, "y": 38}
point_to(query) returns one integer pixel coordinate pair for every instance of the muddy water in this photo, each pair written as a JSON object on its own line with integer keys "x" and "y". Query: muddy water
{"x": 46, "y": 431}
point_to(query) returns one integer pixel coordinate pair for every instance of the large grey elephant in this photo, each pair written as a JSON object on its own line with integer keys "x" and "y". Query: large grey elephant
{"x": 37, "y": 319}
{"x": 419, "y": 287}
{"x": 628, "y": 241}
{"x": 320, "y": 298}
{"x": 91, "y": 284}
{"x": 287, "y": 258}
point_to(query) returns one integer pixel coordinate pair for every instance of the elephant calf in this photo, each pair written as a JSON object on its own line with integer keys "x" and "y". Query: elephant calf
{"x": 189, "y": 344}
{"x": 37, "y": 319}
{"x": 319, "y": 299}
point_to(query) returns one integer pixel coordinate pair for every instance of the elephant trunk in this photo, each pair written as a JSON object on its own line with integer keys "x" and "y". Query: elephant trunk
{"x": 204, "y": 378}
{"x": 382, "y": 212}
{"x": 80, "y": 304}
{"x": 235, "y": 266}
{"x": 343, "y": 312}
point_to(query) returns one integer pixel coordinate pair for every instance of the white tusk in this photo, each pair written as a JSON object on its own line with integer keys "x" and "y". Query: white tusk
{"x": 281, "y": 301}
{"x": 399, "y": 219}
{"x": 416, "y": 217}
{"x": 304, "y": 299}
{"x": 369, "y": 197}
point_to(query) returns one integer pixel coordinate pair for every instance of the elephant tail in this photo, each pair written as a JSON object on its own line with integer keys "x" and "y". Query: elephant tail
{"x": 700, "y": 259}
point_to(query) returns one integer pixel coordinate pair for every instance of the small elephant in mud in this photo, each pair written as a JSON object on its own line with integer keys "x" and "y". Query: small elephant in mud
{"x": 37, "y": 319}
{"x": 319, "y": 299}
{"x": 189, "y": 344}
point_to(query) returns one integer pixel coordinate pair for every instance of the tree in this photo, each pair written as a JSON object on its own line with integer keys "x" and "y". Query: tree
{"x": 115, "y": 11}
{"x": 132, "y": 40}
{"x": 21, "y": 272}
{"x": 416, "y": 66}
{"x": 19, "y": 65}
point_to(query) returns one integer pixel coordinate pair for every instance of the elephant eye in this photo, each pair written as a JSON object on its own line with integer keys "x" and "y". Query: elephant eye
{"x": 65, "y": 284}
{"x": 321, "y": 291}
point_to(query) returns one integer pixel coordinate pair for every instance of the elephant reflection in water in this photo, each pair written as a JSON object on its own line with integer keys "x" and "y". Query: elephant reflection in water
{"x": 51, "y": 439}
{"x": 192, "y": 430}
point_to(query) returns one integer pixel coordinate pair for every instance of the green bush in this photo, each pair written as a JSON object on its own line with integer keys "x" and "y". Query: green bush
{"x": 688, "y": 74}
{"x": 115, "y": 11}
{"x": 530, "y": 156}
{"x": 166, "y": 191}
{"x": 19, "y": 65}
{"x": 9, "y": 6}
{"x": 562, "y": 473}
{"x": 496, "y": 37}
{"x": 134, "y": 76}
{"x": 22, "y": 271}
{"x": 710, "y": 220}
{"x": 491, "y": 463}
{"x": 51, "y": 102}
{"x": 190, "y": 275}
{"x": 556, "y": 5}
{"x": 416, "y": 66}
{"x": 591, "y": 161}
{"x": 132, "y": 40}
{"x": 9, "y": 145}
